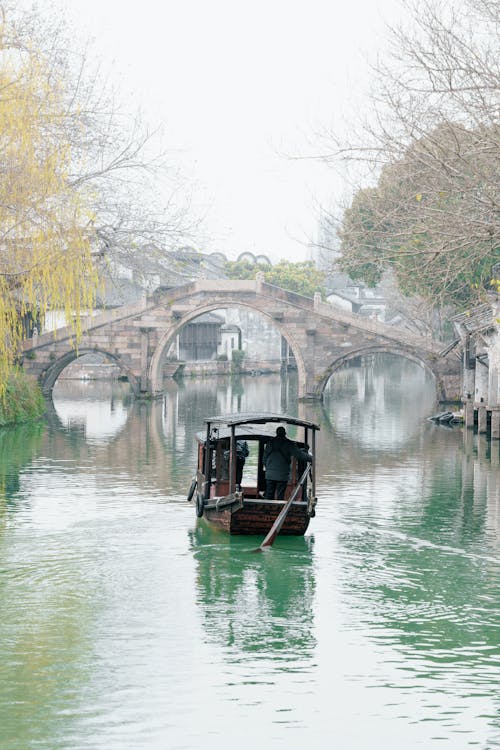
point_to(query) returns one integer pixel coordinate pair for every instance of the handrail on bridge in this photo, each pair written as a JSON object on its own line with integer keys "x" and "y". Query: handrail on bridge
{"x": 258, "y": 286}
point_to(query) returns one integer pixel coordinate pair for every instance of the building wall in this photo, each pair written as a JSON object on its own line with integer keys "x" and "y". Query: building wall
{"x": 199, "y": 341}
{"x": 259, "y": 339}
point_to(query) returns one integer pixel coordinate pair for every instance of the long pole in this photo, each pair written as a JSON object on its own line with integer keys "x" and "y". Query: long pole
{"x": 275, "y": 528}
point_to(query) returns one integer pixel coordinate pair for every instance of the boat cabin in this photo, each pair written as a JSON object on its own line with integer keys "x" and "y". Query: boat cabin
{"x": 230, "y": 482}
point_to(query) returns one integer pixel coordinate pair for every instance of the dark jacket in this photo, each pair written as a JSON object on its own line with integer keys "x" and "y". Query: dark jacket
{"x": 278, "y": 458}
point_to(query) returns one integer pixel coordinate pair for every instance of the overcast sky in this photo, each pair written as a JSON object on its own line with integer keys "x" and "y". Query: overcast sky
{"x": 238, "y": 85}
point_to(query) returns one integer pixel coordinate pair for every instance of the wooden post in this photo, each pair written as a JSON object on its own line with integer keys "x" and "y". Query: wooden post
{"x": 469, "y": 411}
{"x": 481, "y": 417}
{"x": 208, "y": 463}
{"x": 313, "y": 472}
{"x": 495, "y": 423}
{"x": 232, "y": 461}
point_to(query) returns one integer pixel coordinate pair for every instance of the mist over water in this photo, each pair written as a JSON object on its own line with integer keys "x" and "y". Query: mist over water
{"x": 127, "y": 623}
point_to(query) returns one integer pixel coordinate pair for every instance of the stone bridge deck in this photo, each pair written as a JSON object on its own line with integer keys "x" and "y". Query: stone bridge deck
{"x": 322, "y": 337}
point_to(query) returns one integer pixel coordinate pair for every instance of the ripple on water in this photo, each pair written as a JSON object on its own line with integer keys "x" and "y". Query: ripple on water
{"x": 127, "y": 624}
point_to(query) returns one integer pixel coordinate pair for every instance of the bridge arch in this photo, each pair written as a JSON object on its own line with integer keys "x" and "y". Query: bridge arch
{"x": 155, "y": 375}
{"x": 321, "y": 336}
{"x": 339, "y": 362}
{"x": 49, "y": 376}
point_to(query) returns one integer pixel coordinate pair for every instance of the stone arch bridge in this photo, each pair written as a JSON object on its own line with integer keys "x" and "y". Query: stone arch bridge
{"x": 323, "y": 338}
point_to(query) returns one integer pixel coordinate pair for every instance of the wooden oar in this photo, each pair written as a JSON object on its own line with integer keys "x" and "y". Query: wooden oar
{"x": 275, "y": 528}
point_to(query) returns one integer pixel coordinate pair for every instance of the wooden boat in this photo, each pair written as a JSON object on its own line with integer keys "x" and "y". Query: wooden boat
{"x": 237, "y": 503}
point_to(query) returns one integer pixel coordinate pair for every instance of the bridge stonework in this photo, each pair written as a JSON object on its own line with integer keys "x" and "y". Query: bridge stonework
{"x": 322, "y": 337}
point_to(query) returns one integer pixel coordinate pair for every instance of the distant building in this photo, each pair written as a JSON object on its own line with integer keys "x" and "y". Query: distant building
{"x": 261, "y": 339}
{"x": 200, "y": 339}
{"x": 229, "y": 340}
{"x": 248, "y": 257}
{"x": 355, "y": 297}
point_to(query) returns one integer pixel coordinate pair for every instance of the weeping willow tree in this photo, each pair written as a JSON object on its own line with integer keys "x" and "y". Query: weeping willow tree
{"x": 45, "y": 225}
{"x": 84, "y": 185}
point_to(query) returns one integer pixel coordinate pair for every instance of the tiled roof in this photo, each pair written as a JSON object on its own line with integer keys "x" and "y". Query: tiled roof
{"x": 476, "y": 320}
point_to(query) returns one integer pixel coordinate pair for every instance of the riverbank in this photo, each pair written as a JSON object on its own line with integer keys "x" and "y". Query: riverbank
{"x": 23, "y": 400}
{"x": 178, "y": 369}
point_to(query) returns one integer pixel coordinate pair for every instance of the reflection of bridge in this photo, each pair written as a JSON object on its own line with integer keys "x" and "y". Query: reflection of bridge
{"x": 322, "y": 338}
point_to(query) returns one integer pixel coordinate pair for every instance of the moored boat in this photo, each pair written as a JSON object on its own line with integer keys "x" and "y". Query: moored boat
{"x": 229, "y": 489}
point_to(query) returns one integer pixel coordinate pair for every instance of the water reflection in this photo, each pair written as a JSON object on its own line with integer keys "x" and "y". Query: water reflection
{"x": 18, "y": 447}
{"x": 256, "y": 604}
{"x": 97, "y": 409}
{"x": 380, "y": 406}
{"x": 418, "y": 540}
{"x": 46, "y": 651}
{"x": 126, "y": 623}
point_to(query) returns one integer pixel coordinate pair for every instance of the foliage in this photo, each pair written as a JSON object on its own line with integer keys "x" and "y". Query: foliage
{"x": 432, "y": 140}
{"x": 23, "y": 400}
{"x": 415, "y": 312}
{"x": 242, "y": 269}
{"x": 18, "y": 446}
{"x": 45, "y": 257}
{"x": 237, "y": 357}
{"x": 430, "y": 228}
{"x": 76, "y": 172}
{"x": 139, "y": 203}
{"x": 302, "y": 278}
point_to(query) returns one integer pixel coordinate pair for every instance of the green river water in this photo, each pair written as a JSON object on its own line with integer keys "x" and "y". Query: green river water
{"x": 127, "y": 624}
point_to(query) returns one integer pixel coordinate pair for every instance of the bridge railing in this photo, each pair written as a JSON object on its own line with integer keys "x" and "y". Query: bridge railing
{"x": 293, "y": 298}
{"x": 342, "y": 316}
{"x": 100, "y": 318}
{"x": 257, "y": 287}
{"x": 378, "y": 328}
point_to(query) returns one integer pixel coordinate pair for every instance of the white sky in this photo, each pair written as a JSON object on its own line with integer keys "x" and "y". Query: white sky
{"x": 237, "y": 85}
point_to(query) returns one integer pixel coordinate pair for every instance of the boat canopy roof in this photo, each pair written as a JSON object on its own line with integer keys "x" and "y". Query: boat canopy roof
{"x": 230, "y": 420}
{"x": 242, "y": 432}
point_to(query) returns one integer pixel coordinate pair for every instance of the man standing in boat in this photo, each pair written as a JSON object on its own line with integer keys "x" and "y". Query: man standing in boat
{"x": 277, "y": 462}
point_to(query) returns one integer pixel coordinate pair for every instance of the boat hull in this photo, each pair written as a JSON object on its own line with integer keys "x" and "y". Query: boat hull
{"x": 257, "y": 517}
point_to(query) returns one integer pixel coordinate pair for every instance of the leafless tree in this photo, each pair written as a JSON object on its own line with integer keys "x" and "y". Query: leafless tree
{"x": 141, "y": 205}
{"x": 432, "y": 137}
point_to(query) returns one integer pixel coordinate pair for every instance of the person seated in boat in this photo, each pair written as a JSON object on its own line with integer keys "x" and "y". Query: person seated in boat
{"x": 277, "y": 461}
{"x": 241, "y": 454}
